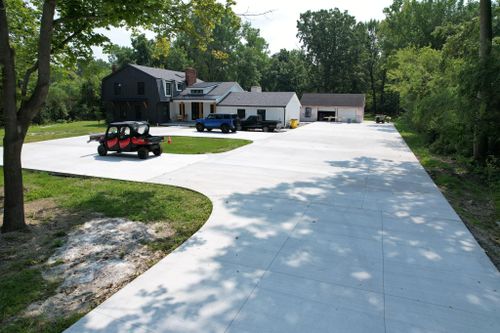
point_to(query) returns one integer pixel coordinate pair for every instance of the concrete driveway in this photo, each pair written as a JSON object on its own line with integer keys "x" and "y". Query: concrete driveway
{"x": 327, "y": 228}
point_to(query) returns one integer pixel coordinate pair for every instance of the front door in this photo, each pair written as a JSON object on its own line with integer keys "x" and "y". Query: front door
{"x": 196, "y": 110}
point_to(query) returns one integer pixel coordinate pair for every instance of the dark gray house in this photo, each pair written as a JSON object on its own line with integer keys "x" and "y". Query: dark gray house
{"x": 137, "y": 92}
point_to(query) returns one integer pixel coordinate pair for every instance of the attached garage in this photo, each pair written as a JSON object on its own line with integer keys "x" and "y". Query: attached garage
{"x": 333, "y": 107}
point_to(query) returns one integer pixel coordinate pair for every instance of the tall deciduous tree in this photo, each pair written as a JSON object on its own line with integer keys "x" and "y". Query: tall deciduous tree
{"x": 287, "y": 71}
{"x": 64, "y": 37}
{"x": 480, "y": 146}
{"x": 335, "y": 44}
{"x": 373, "y": 59}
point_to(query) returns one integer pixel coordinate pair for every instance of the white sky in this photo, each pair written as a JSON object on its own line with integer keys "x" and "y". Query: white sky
{"x": 279, "y": 27}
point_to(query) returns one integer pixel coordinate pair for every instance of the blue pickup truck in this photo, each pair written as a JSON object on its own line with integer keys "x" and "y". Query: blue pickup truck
{"x": 224, "y": 122}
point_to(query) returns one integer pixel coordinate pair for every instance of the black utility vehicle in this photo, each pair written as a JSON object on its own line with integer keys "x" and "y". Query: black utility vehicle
{"x": 128, "y": 136}
{"x": 256, "y": 122}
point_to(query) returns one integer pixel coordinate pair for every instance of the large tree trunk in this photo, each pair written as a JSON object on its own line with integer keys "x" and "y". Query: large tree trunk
{"x": 374, "y": 90}
{"x": 480, "y": 144}
{"x": 18, "y": 121}
{"x": 13, "y": 181}
{"x": 13, "y": 139}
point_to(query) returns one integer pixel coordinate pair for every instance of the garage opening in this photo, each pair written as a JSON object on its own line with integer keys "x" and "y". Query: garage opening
{"x": 327, "y": 115}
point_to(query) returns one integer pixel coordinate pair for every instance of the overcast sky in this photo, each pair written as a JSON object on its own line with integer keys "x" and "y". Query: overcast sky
{"x": 279, "y": 27}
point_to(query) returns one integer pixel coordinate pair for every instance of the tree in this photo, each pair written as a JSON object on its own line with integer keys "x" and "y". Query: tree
{"x": 480, "y": 145}
{"x": 251, "y": 58}
{"x": 287, "y": 71}
{"x": 413, "y": 23}
{"x": 335, "y": 45}
{"x": 64, "y": 38}
{"x": 373, "y": 59}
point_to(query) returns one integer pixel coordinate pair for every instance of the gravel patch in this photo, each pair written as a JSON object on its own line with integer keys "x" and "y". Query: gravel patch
{"x": 98, "y": 258}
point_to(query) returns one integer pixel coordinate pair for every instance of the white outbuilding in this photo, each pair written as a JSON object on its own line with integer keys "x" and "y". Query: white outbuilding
{"x": 333, "y": 107}
{"x": 281, "y": 106}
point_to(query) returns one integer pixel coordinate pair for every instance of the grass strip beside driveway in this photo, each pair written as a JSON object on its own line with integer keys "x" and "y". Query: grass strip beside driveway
{"x": 473, "y": 196}
{"x": 55, "y": 205}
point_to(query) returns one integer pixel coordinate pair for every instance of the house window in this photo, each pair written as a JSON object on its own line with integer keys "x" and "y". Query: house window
{"x": 212, "y": 108}
{"x": 308, "y": 112}
{"x": 179, "y": 86}
{"x": 197, "y": 91}
{"x": 262, "y": 113}
{"x": 140, "y": 88}
{"x": 167, "y": 86}
{"x": 117, "y": 88}
{"x": 241, "y": 113}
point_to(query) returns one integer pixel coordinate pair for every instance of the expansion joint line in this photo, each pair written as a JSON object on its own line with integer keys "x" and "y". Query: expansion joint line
{"x": 383, "y": 264}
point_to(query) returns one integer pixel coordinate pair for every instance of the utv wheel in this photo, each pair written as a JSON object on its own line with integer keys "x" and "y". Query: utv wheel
{"x": 224, "y": 128}
{"x": 265, "y": 129}
{"x": 101, "y": 150}
{"x": 143, "y": 153}
{"x": 157, "y": 151}
{"x": 200, "y": 127}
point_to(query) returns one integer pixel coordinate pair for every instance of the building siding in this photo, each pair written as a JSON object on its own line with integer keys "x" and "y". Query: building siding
{"x": 153, "y": 106}
{"x": 344, "y": 113}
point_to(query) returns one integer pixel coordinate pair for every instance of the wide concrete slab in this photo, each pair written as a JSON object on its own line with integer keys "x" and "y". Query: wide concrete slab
{"x": 327, "y": 228}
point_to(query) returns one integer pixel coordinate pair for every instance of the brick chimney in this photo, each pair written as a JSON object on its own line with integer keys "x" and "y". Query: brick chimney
{"x": 256, "y": 89}
{"x": 190, "y": 76}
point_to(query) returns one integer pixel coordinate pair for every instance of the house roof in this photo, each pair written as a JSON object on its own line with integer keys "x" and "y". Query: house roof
{"x": 269, "y": 99}
{"x": 158, "y": 73}
{"x": 333, "y": 100}
{"x": 219, "y": 89}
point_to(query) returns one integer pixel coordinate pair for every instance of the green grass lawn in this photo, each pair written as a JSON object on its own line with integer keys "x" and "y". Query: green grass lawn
{"x": 22, "y": 259}
{"x": 60, "y": 130}
{"x": 476, "y": 200}
{"x": 200, "y": 145}
{"x": 180, "y": 145}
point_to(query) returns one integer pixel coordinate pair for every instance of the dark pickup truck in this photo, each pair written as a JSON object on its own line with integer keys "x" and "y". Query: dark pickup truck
{"x": 256, "y": 122}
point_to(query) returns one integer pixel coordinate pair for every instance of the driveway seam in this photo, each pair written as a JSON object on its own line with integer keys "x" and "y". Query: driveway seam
{"x": 265, "y": 271}
{"x": 383, "y": 268}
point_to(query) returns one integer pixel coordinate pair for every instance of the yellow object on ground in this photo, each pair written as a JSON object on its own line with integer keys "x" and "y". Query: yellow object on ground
{"x": 294, "y": 123}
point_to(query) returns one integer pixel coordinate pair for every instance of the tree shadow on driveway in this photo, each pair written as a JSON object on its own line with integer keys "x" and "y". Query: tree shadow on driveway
{"x": 353, "y": 250}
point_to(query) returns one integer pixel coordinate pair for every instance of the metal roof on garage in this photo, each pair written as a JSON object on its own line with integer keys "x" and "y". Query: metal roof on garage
{"x": 354, "y": 100}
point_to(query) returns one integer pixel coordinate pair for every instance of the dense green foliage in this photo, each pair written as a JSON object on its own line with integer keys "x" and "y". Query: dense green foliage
{"x": 435, "y": 68}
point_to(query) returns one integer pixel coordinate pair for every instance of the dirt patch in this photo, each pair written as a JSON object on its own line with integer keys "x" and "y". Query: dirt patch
{"x": 86, "y": 256}
{"x": 98, "y": 258}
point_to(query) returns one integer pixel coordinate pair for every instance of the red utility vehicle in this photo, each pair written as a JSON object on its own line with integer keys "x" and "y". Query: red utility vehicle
{"x": 128, "y": 136}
